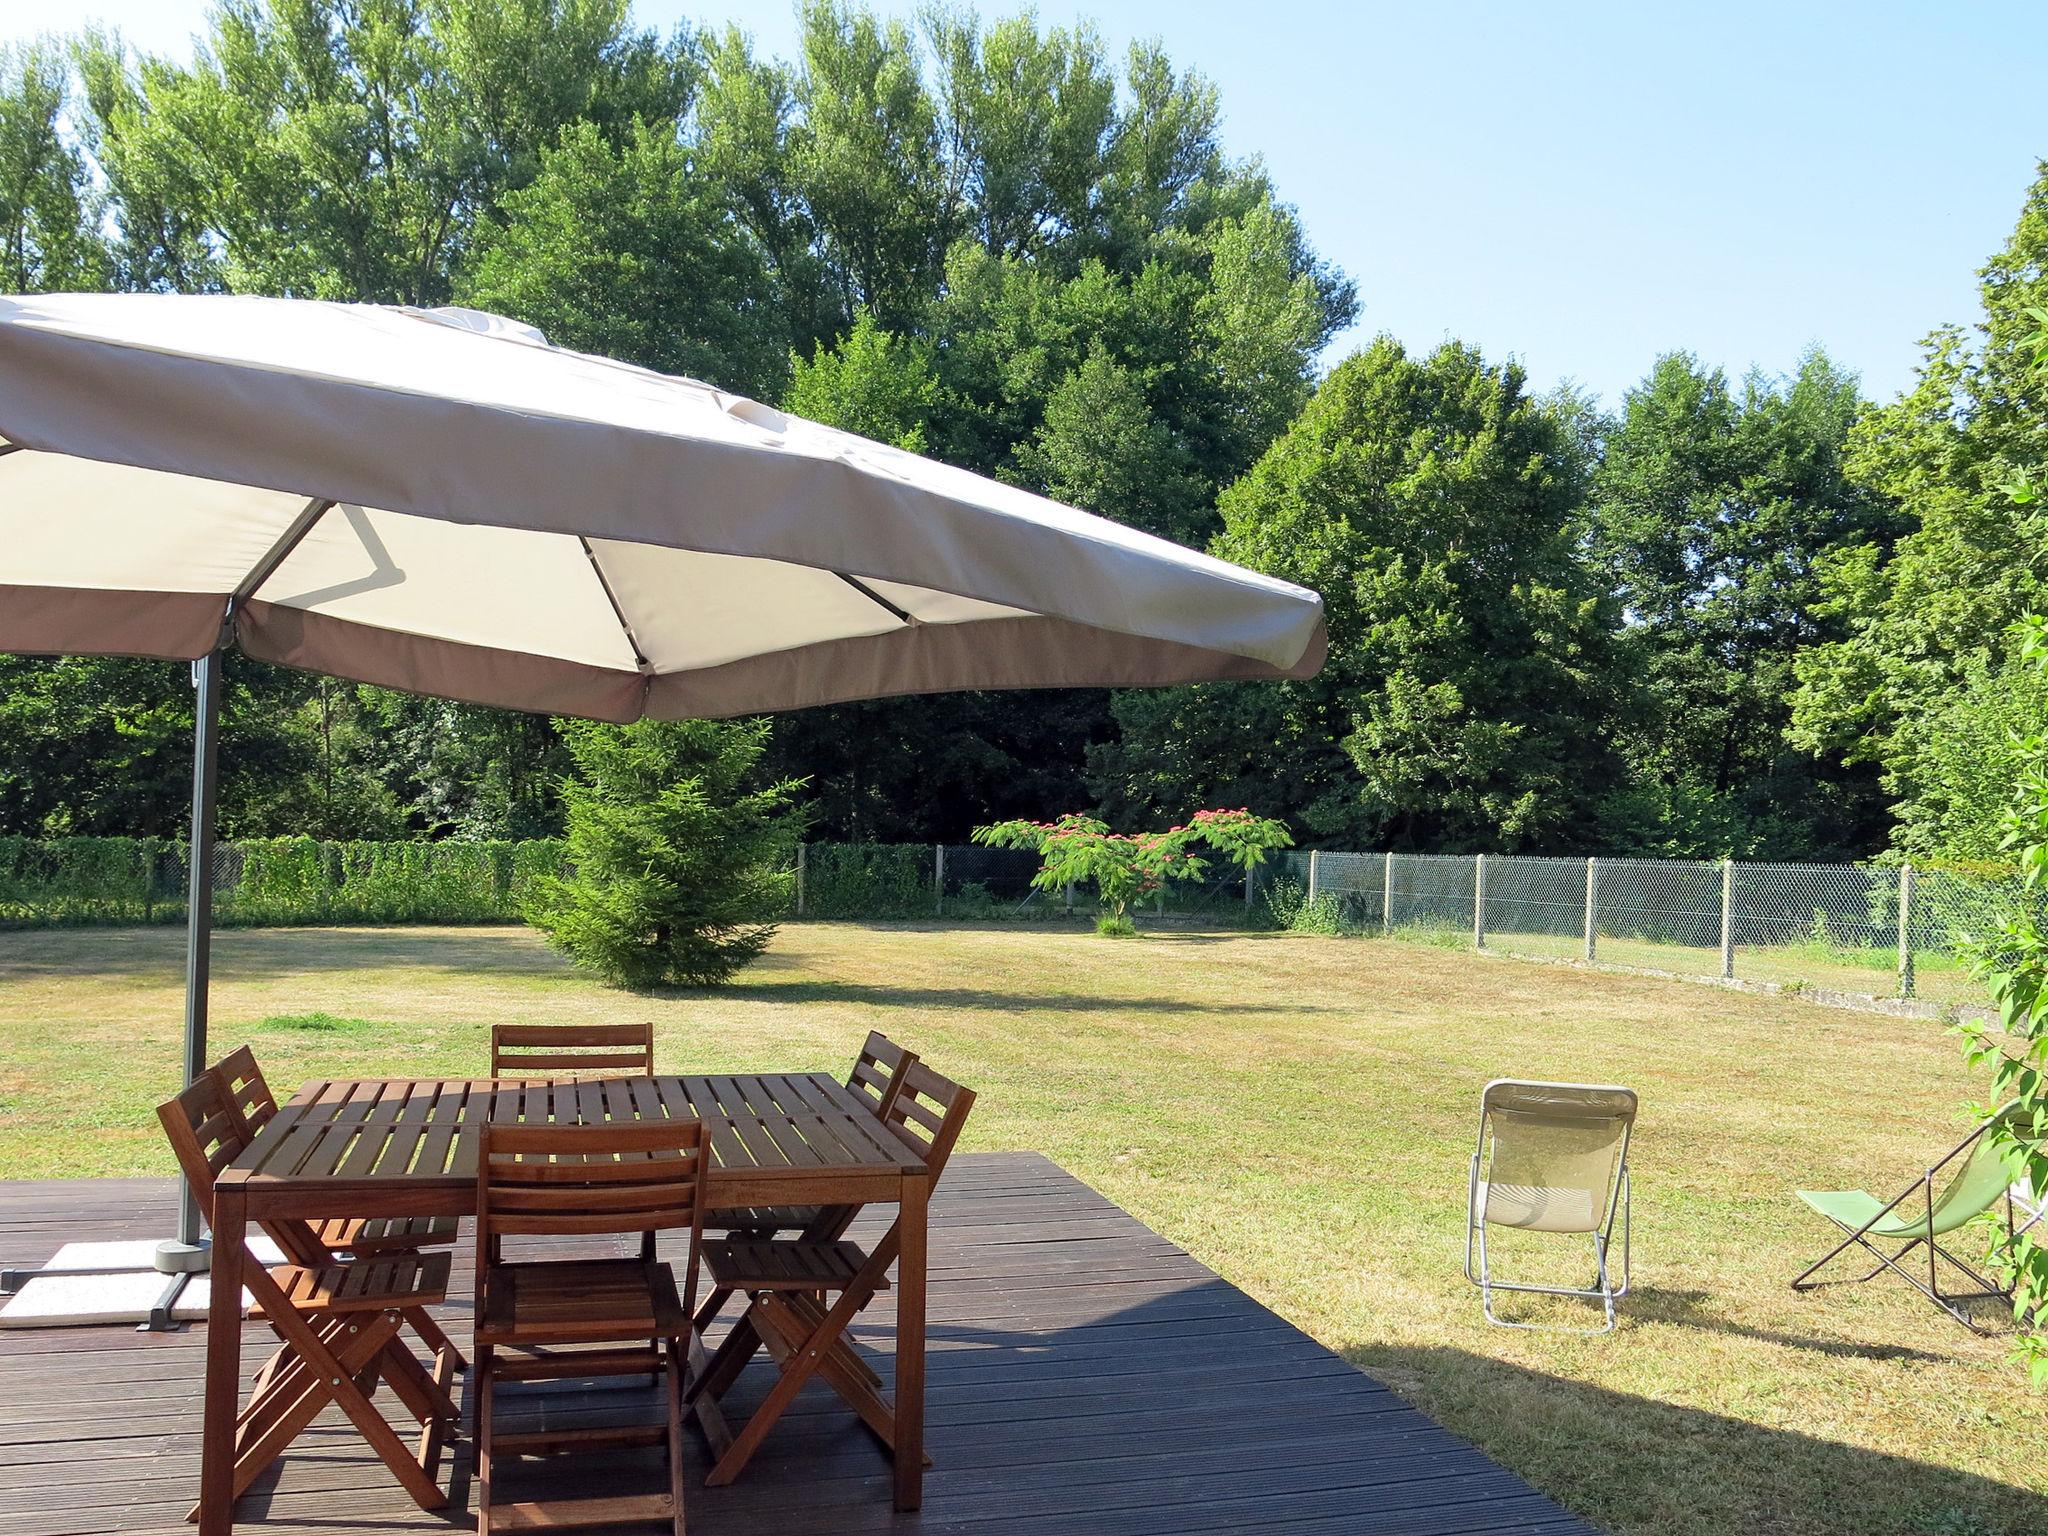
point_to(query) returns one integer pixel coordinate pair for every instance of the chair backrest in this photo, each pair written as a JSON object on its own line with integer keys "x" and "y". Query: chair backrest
{"x": 547, "y": 1050}
{"x": 877, "y": 1075}
{"x": 1553, "y": 1154}
{"x": 206, "y": 1133}
{"x": 251, "y": 1095}
{"x": 580, "y": 1180}
{"x": 1981, "y": 1183}
{"x": 928, "y": 1114}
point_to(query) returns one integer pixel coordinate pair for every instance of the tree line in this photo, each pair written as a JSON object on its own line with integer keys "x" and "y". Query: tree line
{"x": 1757, "y": 617}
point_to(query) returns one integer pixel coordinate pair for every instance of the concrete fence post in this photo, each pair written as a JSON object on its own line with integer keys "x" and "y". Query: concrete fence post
{"x": 1592, "y": 908}
{"x": 1314, "y": 859}
{"x": 1479, "y": 901}
{"x": 1068, "y": 892}
{"x": 1248, "y": 890}
{"x": 1727, "y": 919}
{"x": 939, "y": 879}
{"x": 1387, "y": 895}
{"x": 801, "y": 849}
{"x": 1906, "y": 931}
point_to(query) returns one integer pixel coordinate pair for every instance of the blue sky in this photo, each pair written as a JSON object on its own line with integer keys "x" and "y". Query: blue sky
{"x": 1580, "y": 185}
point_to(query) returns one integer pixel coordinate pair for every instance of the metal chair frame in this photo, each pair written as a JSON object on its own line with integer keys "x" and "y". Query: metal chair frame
{"x": 1948, "y": 1301}
{"x": 1603, "y": 1290}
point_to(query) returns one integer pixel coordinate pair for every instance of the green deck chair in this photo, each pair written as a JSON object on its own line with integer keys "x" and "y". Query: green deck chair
{"x": 1552, "y": 1157}
{"x": 1920, "y": 1215}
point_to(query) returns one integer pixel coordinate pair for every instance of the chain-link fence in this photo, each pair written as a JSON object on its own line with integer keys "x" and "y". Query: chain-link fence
{"x": 1882, "y": 932}
{"x": 1876, "y": 931}
{"x": 965, "y": 882}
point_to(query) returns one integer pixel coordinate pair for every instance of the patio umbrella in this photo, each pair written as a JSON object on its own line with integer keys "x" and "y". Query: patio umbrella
{"x": 440, "y": 501}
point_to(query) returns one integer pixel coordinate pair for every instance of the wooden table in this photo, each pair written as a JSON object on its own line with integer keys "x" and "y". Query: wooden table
{"x": 409, "y": 1148}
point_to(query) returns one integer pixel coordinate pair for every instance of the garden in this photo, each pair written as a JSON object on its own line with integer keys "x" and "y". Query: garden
{"x": 1297, "y": 1114}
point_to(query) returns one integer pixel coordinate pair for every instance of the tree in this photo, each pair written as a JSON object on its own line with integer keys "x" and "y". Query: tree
{"x": 1712, "y": 510}
{"x": 994, "y": 243}
{"x": 1915, "y": 620}
{"x": 1471, "y": 680}
{"x": 680, "y": 852}
{"x": 2013, "y": 961}
{"x": 350, "y": 151}
{"x": 103, "y": 746}
{"x": 1127, "y": 867}
{"x": 48, "y": 207}
{"x": 628, "y": 251}
{"x": 869, "y": 381}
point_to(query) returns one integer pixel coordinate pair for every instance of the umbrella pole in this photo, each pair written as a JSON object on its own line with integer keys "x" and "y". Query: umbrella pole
{"x": 188, "y": 1253}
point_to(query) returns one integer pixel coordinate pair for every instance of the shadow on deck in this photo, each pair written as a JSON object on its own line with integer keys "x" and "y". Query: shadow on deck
{"x": 1085, "y": 1376}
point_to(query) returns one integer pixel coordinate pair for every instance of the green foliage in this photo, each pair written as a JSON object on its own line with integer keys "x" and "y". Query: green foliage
{"x": 1290, "y": 909}
{"x": 679, "y": 852}
{"x": 61, "y": 881}
{"x": 1113, "y": 925}
{"x": 2013, "y": 960}
{"x": 865, "y": 880}
{"x": 270, "y": 882}
{"x": 1126, "y": 867}
{"x": 48, "y": 206}
{"x": 321, "y": 1024}
{"x": 1712, "y": 507}
{"x": 628, "y": 250}
{"x": 351, "y": 151}
{"x": 1079, "y": 850}
{"x": 870, "y": 382}
{"x": 1470, "y": 668}
{"x": 994, "y": 241}
{"x": 1916, "y": 622}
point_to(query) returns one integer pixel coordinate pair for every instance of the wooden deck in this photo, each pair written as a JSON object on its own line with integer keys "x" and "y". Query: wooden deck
{"x": 1087, "y": 1378}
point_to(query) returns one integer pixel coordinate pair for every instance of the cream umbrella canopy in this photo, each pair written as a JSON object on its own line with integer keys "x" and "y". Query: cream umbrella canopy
{"x": 440, "y": 501}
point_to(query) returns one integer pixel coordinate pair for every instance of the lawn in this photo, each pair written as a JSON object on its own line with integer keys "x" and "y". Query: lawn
{"x": 1297, "y": 1112}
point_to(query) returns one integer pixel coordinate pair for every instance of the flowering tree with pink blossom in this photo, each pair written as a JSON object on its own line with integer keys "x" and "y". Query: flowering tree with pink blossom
{"x": 1126, "y": 867}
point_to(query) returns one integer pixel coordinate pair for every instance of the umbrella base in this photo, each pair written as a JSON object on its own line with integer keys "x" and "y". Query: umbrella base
{"x": 175, "y": 1258}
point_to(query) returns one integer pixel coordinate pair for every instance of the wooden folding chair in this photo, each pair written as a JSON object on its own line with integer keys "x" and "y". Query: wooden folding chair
{"x": 572, "y": 1050}
{"x": 359, "y": 1236}
{"x": 568, "y": 1318}
{"x": 877, "y": 1079}
{"x": 788, "y": 1283}
{"x": 338, "y": 1321}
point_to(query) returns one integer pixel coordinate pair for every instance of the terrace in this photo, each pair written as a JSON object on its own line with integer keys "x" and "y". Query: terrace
{"x": 1085, "y": 1373}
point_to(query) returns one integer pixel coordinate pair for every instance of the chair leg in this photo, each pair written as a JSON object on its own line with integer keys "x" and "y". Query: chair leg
{"x": 294, "y": 1401}
{"x": 712, "y": 1305}
{"x": 675, "y": 1430}
{"x": 728, "y": 1360}
{"x": 710, "y": 1419}
{"x": 486, "y": 1374}
{"x": 431, "y": 1334}
{"x": 1931, "y": 1288}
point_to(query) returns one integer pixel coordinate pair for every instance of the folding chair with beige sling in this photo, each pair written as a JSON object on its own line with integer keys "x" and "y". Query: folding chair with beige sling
{"x": 1552, "y": 1157}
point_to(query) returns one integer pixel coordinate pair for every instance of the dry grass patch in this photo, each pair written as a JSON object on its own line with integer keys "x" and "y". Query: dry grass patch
{"x": 1336, "y": 1082}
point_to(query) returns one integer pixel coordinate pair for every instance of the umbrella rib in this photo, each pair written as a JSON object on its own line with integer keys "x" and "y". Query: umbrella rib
{"x": 901, "y": 616}
{"x": 625, "y": 625}
{"x": 279, "y": 552}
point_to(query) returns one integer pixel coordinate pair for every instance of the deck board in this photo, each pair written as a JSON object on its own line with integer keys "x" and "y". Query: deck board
{"x": 1086, "y": 1377}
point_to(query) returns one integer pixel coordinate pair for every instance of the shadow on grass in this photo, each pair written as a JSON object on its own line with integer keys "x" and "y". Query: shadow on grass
{"x": 1634, "y": 1463}
{"x": 1691, "y": 1309}
{"x": 999, "y": 1000}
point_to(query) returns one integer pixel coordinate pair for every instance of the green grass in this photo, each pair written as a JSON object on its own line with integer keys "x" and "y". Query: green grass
{"x": 322, "y": 1024}
{"x": 1298, "y": 1113}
